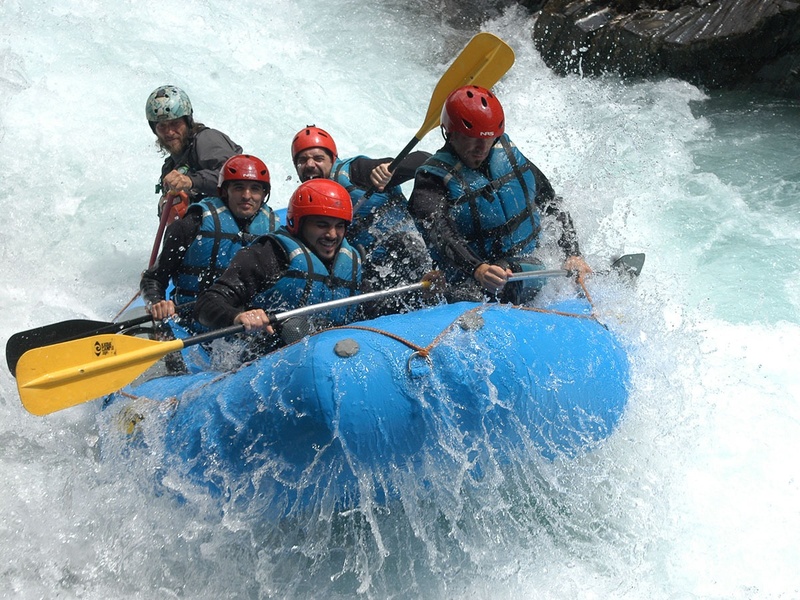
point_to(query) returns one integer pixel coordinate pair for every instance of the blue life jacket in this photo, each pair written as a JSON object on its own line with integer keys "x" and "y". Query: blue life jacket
{"x": 308, "y": 281}
{"x": 381, "y": 213}
{"x": 495, "y": 213}
{"x": 217, "y": 241}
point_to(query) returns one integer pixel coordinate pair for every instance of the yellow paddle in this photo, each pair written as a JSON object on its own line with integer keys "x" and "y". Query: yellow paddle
{"x": 483, "y": 61}
{"x": 52, "y": 378}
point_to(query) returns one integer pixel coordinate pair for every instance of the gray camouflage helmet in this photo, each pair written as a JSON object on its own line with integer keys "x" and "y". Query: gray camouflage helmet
{"x": 167, "y": 102}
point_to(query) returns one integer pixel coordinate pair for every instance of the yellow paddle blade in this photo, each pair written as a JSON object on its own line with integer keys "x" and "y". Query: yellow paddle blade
{"x": 55, "y": 377}
{"x": 483, "y": 61}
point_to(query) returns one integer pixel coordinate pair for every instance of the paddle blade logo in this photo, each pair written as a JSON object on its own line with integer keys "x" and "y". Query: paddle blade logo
{"x": 104, "y": 348}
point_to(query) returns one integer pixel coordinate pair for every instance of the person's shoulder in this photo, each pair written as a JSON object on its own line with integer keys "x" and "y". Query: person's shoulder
{"x": 271, "y": 240}
{"x": 214, "y": 143}
{"x": 418, "y": 156}
{"x": 444, "y": 152}
{"x": 424, "y": 179}
{"x": 207, "y": 132}
{"x": 434, "y": 166}
{"x": 199, "y": 207}
{"x": 266, "y": 250}
{"x": 363, "y": 159}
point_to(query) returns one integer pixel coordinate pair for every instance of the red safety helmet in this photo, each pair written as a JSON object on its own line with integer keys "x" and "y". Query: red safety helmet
{"x": 318, "y": 197}
{"x": 244, "y": 167}
{"x": 313, "y": 137}
{"x": 474, "y": 111}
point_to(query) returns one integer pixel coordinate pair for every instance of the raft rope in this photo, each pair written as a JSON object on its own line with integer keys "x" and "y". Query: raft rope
{"x": 592, "y": 315}
{"x": 425, "y": 351}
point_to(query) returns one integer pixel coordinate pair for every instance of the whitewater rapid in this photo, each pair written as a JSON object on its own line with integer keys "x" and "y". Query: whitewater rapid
{"x": 695, "y": 495}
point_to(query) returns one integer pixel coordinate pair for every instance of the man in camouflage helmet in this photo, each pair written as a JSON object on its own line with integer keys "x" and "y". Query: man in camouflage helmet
{"x": 196, "y": 152}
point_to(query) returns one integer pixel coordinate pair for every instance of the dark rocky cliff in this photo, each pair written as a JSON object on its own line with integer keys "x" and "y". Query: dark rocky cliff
{"x": 715, "y": 44}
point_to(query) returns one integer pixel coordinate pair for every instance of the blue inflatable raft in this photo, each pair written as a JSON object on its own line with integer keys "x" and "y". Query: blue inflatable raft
{"x": 347, "y": 415}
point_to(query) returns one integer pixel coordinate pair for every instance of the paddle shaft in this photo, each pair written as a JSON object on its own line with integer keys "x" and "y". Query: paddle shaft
{"x": 536, "y": 274}
{"x": 63, "y": 375}
{"x": 162, "y": 225}
{"x": 165, "y": 212}
{"x": 630, "y": 264}
{"x": 304, "y": 310}
{"x": 153, "y": 255}
{"x": 168, "y": 212}
{"x": 312, "y": 308}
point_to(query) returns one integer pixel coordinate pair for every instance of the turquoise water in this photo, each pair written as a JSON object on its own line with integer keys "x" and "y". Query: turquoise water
{"x": 748, "y": 247}
{"x": 695, "y": 496}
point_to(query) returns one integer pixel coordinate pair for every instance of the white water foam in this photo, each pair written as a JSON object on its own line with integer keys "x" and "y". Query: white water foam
{"x": 694, "y": 496}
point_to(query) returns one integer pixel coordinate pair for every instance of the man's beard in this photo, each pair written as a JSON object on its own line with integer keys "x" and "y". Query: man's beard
{"x": 184, "y": 143}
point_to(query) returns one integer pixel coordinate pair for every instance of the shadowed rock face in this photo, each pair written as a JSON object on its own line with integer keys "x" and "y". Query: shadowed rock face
{"x": 715, "y": 44}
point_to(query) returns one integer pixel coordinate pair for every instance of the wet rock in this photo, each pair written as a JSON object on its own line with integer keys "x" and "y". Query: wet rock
{"x": 715, "y": 44}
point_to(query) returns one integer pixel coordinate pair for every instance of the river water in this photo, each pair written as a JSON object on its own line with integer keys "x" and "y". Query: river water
{"x": 695, "y": 496}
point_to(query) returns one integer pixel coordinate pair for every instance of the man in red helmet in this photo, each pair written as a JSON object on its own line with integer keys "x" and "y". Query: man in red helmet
{"x": 307, "y": 262}
{"x": 198, "y": 248}
{"x": 381, "y": 223}
{"x": 479, "y": 203}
